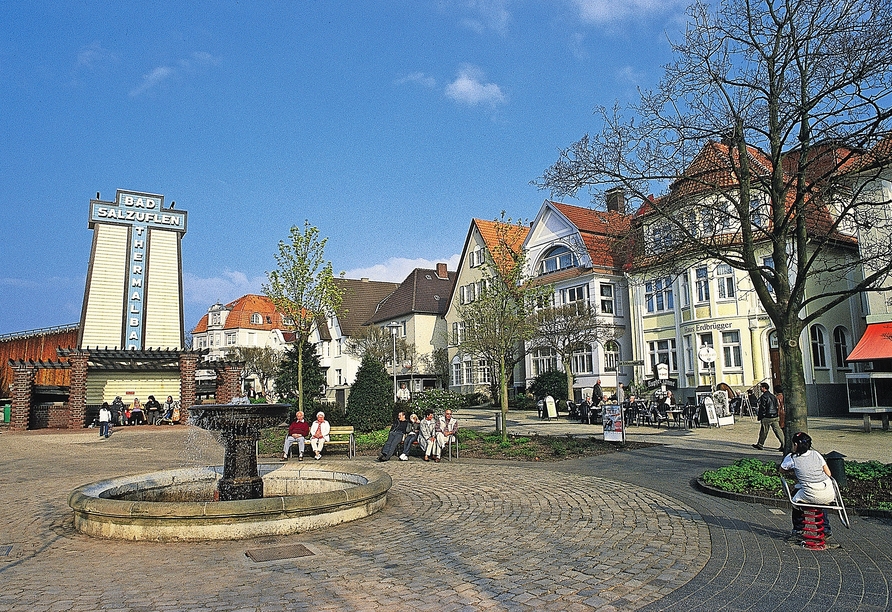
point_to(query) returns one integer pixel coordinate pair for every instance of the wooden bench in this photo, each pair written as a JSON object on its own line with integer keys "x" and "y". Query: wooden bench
{"x": 343, "y": 434}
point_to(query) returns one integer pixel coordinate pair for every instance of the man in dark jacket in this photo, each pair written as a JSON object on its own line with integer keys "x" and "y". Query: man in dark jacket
{"x": 769, "y": 417}
{"x": 395, "y": 437}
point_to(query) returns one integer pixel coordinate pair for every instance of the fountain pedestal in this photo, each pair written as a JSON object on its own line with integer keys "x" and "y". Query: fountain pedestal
{"x": 240, "y": 476}
{"x": 240, "y": 425}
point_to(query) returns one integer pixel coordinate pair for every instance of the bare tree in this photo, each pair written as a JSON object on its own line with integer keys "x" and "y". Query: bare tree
{"x": 303, "y": 287}
{"x": 570, "y": 328}
{"x": 262, "y": 362}
{"x": 377, "y": 343}
{"x": 765, "y": 128}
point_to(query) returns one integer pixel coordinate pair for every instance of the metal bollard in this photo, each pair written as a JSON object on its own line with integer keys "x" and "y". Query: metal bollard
{"x": 837, "y": 467}
{"x": 499, "y": 422}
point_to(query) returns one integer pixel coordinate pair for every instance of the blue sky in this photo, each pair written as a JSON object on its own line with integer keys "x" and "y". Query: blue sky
{"x": 388, "y": 124}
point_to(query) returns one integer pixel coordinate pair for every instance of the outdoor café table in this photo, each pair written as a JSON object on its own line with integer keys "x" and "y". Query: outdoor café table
{"x": 676, "y": 415}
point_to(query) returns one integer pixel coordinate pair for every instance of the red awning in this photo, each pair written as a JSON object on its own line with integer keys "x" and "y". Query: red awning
{"x": 876, "y": 343}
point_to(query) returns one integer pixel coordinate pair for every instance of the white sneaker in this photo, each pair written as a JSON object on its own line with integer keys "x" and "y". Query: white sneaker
{"x": 403, "y": 457}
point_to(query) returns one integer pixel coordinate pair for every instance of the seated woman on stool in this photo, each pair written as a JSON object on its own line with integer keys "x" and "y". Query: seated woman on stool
{"x": 813, "y": 479}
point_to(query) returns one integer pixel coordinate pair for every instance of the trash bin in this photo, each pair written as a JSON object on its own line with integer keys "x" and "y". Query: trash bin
{"x": 837, "y": 467}
{"x": 6, "y": 411}
{"x": 499, "y": 422}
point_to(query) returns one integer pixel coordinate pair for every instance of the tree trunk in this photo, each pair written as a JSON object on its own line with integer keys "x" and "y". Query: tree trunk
{"x": 503, "y": 388}
{"x": 570, "y": 378}
{"x": 300, "y": 378}
{"x": 793, "y": 382}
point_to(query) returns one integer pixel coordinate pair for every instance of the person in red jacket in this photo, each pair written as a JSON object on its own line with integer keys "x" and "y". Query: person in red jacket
{"x": 298, "y": 432}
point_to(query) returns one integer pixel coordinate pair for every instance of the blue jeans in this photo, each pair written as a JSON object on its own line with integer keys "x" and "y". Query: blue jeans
{"x": 393, "y": 443}
{"x": 103, "y": 429}
{"x": 407, "y": 443}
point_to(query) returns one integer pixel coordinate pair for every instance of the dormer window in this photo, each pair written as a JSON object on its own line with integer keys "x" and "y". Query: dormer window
{"x": 557, "y": 258}
{"x": 256, "y": 319}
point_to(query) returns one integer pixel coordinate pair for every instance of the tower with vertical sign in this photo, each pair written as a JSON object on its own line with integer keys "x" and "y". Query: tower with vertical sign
{"x": 134, "y": 293}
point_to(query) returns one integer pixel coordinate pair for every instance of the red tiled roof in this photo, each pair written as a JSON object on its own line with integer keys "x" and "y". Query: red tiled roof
{"x": 241, "y": 311}
{"x": 496, "y": 233}
{"x": 715, "y": 169}
{"x": 603, "y": 233}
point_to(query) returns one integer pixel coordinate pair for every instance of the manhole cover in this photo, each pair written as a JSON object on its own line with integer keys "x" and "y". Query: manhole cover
{"x": 278, "y": 553}
{"x": 5, "y": 550}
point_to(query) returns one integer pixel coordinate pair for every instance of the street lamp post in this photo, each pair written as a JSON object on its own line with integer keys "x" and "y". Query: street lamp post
{"x": 394, "y": 327}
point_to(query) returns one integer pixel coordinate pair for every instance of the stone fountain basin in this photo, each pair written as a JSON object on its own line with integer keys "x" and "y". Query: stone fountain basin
{"x": 172, "y": 505}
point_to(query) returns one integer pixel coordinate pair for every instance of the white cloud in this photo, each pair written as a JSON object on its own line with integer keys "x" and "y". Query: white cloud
{"x": 231, "y": 285}
{"x": 629, "y": 75}
{"x": 94, "y": 56}
{"x": 487, "y": 15}
{"x": 601, "y": 12}
{"x": 420, "y": 78}
{"x": 396, "y": 269}
{"x": 190, "y": 65}
{"x": 469, "y": 88}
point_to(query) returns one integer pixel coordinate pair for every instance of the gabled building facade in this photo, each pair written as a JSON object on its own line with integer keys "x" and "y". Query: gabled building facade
{"x": 701, "y": 302}
{"x": 576, "y": 251}
{"x": 468, "y": 374}
{"x": 359, "y": 300}
{"x": 416, "y": 310}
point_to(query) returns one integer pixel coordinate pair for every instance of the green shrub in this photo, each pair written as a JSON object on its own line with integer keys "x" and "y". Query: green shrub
{"x": 868, "y": 470}
{"x": 370, "y": 405}
{"x": 438, "y": 400}
{"x": 553, "y": 383}
{"x": 522, "y": 402}
{"x": 475, "y": 399}
{"x": 745, "y": 475}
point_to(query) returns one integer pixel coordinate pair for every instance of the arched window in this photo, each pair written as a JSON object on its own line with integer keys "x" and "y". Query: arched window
{"x": 556, "y": 258}
{"x": 818, "y": 347}
{"x": 256, "y": 319}
{"x": 841, "y": 346}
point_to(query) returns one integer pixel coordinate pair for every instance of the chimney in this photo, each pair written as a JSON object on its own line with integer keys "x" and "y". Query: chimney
{"x": 616, "y": 200}
{"x": 441, "y": 271}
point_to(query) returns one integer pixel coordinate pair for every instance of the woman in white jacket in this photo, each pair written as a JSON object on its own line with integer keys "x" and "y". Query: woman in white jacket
{"x": 319, "y": 434}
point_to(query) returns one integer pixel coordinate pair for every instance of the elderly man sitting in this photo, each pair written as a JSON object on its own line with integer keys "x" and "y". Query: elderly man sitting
{"x": 447, "y": 427}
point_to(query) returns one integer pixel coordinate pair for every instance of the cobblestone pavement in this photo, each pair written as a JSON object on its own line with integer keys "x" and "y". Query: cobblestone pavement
{"x": 623, "y": 531}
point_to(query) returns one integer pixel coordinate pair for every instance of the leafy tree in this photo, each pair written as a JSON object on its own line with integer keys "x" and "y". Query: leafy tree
{"x": 759, "y": 126}
{"x": 302, "y": 287}
{"x": 552, "y": 382}
{"x": 262, "y": 362}
{"x": 569, "y": 328}
{"x": 370, "y": 405}
{"x": 496, "y": 323}
{"x": 287, "y": 374}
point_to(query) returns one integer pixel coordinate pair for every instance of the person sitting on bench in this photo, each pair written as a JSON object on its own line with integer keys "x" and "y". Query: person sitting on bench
{"x": 298, "y": 431}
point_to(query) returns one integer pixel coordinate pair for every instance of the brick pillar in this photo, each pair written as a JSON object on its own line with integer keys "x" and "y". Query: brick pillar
{"x": 229, "y": 377}
{"x": 22, "y": 386}
{"x": 188, "y": 387}
{"x": 77, "y": 396}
